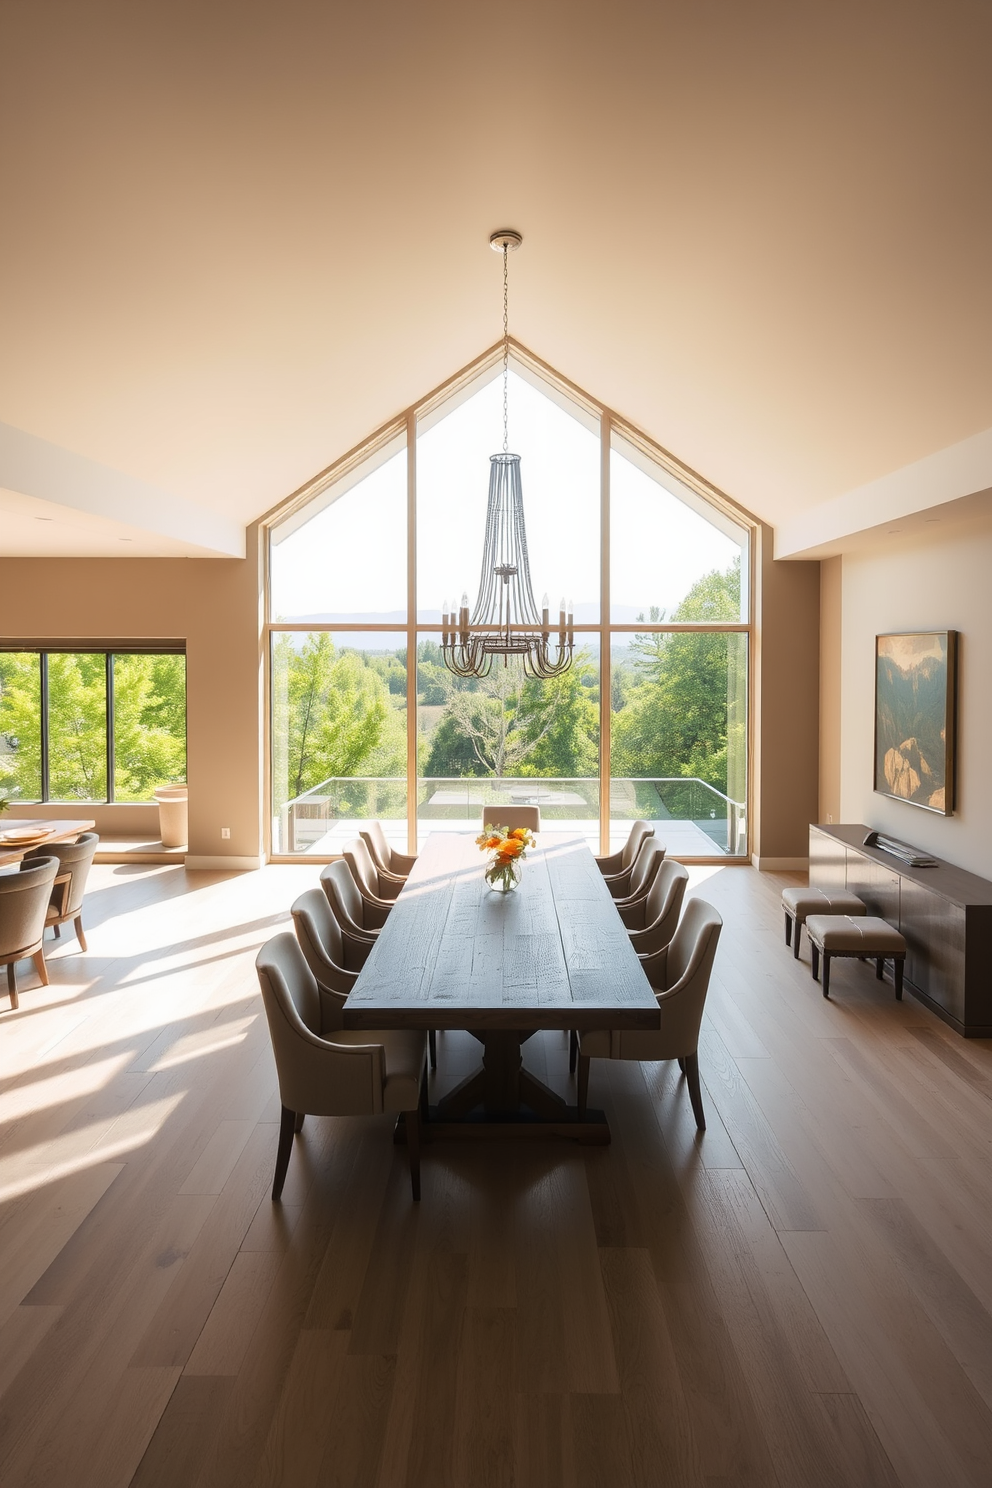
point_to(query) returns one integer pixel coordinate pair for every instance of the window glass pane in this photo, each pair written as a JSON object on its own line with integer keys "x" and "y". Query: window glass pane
{"x": 679, "y": 739}
{"x": 344, "y": 558}
{"x": 149, "y": 724}
{"x": 338, "y": 738}
{"x": 77, "y": 727}
{"x": 559, "y": 466}
{"x": 661, "y": 548}
{"x": 20, "y": 726}
{"x": 509, "y": 738}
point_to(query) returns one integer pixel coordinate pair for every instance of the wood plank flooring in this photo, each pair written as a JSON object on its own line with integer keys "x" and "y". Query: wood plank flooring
{"x": 801, "y": 1298}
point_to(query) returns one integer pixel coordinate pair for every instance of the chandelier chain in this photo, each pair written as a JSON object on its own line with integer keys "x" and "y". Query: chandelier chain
{"x": 506, "y": 352}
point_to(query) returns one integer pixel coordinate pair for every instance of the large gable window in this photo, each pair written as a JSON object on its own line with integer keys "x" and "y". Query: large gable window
{"x": 651, "y": 720}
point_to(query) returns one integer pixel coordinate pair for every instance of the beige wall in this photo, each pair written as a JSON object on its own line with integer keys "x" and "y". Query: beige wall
{"x": 786, "y": 726}
{"x": 937, "y": 582}
{"x": 211, "y": 603}
{"x": 831, "y": 611}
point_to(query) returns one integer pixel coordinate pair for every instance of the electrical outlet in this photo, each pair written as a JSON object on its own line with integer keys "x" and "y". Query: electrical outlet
{"x": 225, "y": 832}
{"x": 830, "y": 817}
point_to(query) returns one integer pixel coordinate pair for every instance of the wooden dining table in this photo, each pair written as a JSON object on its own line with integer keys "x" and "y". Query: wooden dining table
{"x": 553, "y": 954}
{"x": 47, "y": 831}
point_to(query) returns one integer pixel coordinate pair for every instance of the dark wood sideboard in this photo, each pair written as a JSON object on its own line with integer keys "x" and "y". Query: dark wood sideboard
{"x": 944, "y": 913}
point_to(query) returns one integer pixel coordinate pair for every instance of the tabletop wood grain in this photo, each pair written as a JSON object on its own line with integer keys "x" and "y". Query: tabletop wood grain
{"x": 454, "y": 954}
{"x": 49, "y": 831}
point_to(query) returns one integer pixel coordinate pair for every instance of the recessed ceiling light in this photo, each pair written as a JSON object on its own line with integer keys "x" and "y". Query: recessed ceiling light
{"x": 932, "y": 519}
{"x": 894, "y": 530}
{"x": 125, "y": 539}
{"x": 44, "y": 519}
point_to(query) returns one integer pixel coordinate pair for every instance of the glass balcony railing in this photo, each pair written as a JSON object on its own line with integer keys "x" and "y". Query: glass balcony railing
{"x": 692, "y": 817}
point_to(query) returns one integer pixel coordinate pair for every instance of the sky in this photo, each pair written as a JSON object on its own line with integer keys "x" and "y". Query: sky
{"x": 350, "y": 560}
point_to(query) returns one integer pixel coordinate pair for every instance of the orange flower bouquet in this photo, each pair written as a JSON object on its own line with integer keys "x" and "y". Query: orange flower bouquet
{"x": 508, "y": 850}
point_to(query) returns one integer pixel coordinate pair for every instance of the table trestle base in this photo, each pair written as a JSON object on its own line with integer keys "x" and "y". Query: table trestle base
{"x": 591, "y": 1130}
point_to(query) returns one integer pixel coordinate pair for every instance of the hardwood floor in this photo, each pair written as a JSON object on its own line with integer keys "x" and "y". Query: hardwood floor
{"x": 803, "y": 1296}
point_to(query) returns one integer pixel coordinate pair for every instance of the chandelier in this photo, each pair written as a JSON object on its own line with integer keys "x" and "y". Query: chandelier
{"x": 504, "y": 621}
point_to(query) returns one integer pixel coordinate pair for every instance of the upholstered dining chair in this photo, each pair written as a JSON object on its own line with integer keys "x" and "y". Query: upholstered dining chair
{"x": 680, "y": 975}
{"x": 347, "y": 1074}
{"x": 66, "y": 902}
{"x": 512, "y": 817}
{"x": 643, "y": 873}
{"x": 360, "y": 919}
{"x": 616, "y": 868}
{"x": 334, "y": 961}
{"x": 334, "y": 957}
{"x": 380, "y": 888}
{"x": 652, "y": 921}
{"x": 385, "y": 857}
{"x": 24, "y": 898}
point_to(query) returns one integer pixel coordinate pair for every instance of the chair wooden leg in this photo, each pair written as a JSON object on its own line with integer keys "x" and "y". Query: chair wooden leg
{"x": 573, "y": 1050}
{"x": 681, "y": 1064}
{"x": 78, "y": 922}
{"x": 287, "y": 1126}
{"x": 432, "y": 1046}
{"x": 412, "y": 1119}
{"x": 879, "y": 967}
{"x": 826, "y": 973}
{"x": 39, "y": 965}
{"x": 583, "y": 1094}
{"x": 300, "y": 1118}
{"x": 58, "y": 931}
{"x": 12, "y": 985}
{"x": 897, "y": 968}
{"x": 695, "y": 1094}
{"x": 814, "y": 961}
{"x": 425, "y": 1100}
{"x": 797, "y": 935}
{"x": 788, "y": 928}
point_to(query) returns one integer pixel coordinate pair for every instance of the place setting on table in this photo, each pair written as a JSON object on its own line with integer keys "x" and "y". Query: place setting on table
{"x": 20, "y": 835}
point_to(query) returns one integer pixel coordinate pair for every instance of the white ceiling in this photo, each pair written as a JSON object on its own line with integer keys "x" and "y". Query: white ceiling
{"x": 239, "y": 237}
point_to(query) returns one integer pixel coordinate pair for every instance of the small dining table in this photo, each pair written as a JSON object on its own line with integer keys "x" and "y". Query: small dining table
{"x": 553, "y": 954}
{"x": 42, "y": 831}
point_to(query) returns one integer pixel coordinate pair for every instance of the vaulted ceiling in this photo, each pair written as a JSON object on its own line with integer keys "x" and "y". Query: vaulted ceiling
{"x": 239, "y": 236}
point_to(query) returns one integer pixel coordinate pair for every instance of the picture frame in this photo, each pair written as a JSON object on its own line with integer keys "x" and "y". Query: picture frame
{"x": 915, "y": 718}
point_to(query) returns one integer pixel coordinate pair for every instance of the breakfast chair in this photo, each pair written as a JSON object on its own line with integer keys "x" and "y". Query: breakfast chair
{"x": 680, "y": 976}
{"x": 346, "y": 1074}
{"x": 360, "y": 919}
{"x": 380, "y": 888}
{"x": 385, "y": 857}
{"x": 616, "y": 867}
{"x": 643, "y": 873}
{"x": 66, "y": 902}
{"x": 24, "y": 898}
{"x": 512, "y": 817}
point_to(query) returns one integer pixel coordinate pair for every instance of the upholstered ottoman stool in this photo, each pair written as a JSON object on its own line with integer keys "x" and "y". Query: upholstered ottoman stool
{"x": 850, "y": 935}
{"x": 799, "y": 904}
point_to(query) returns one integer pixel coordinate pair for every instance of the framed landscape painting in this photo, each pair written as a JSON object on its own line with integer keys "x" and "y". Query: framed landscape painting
{"x": 915, "y": 693}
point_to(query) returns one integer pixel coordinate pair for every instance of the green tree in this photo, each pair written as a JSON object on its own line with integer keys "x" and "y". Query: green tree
{"x": 20, "y": 726}
{"x": 675, "y": 717}
{"x": 149, "y": 724}
{"x": 77, "y": 727}
{"x": 332, "y": 716}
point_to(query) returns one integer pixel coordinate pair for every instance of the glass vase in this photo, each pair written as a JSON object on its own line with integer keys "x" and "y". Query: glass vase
{"x": 503, "y": 878}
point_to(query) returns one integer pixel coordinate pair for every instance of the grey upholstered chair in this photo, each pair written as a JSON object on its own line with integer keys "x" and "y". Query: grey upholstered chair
{"x": 512, "y": 817}
{"x": 334, "y": 961}
{"x": 680, "y": 975}
{"x": 652, "y": 921}
{"x": 385, "y": 857}
{"x": 347, "y": 1074}
{"x": 616, "y": 868}
{"x": 360, "y": 919}
{"x": 380, "y": 888}
{"x": 642, "y": 874}
{"x": 66, "y": 902}
{"x": 24, "y": 900}
{"x": 332, "y": 951}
